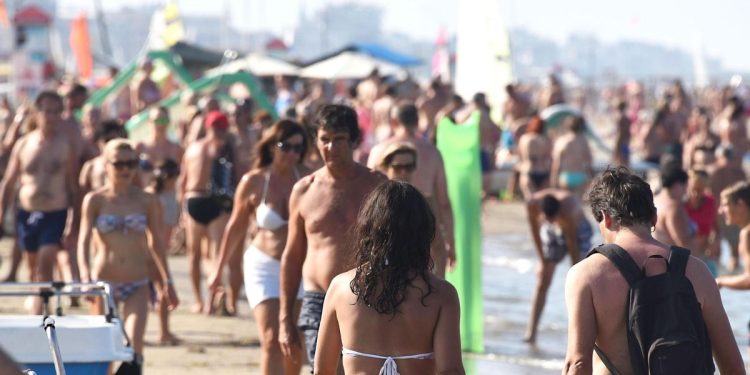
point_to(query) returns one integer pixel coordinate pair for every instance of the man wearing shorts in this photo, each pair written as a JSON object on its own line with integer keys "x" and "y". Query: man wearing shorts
{"x": 558, "y": 227}
{"x": 42, "y": 174}
{"x": 323, "y": 208}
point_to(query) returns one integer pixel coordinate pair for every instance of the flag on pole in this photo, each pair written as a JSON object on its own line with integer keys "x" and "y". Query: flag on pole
{"x": 80, "y": 44}
{"x": 441, "y": 58}
{"x": 4, "y": 20}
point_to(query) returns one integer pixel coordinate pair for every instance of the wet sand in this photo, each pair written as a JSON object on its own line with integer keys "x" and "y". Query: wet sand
{"x": 230, "y": 344}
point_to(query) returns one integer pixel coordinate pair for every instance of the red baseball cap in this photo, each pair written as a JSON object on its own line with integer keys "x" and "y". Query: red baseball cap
{"x": 216, "y": 120}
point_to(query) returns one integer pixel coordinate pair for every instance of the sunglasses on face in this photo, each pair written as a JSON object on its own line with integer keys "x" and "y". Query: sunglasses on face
{"x": 124, "y": 164}
{"x": 408, "y": 167}
{"x": 287, "y": 147}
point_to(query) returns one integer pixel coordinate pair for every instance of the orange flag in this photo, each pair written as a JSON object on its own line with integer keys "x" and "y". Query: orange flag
{"x": 80, "y": 43}
{"x": 4, "y": 20}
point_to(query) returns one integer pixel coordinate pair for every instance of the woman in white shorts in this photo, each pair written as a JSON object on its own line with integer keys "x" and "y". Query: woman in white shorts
{"x": 264, "y": 193}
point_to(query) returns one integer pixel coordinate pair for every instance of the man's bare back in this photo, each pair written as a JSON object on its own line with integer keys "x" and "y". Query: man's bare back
{"x": 328, "y": 208}
{"x": 197, "y": 164}
{"x": 610, "y": 298}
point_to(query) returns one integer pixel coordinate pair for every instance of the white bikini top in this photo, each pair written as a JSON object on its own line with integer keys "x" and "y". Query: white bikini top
{"x": 389, "y": 367}
{"x": 265, "y": 216}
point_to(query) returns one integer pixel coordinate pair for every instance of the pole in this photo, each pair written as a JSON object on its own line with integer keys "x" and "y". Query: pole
{"x": 103, "y": 32}
{"x": 49, "y": 327}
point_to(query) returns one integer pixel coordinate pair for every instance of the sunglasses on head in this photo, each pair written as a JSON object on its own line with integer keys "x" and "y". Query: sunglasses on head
{"x": 408, "y": 167}
{"x": 124, "y": 164}
{"x": 287, "y": 147}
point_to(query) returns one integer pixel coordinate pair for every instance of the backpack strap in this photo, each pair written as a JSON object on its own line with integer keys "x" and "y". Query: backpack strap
{"x": 607, "y": 363}
{"x": 622, "y": 260}
{"x": 678, "y": 259}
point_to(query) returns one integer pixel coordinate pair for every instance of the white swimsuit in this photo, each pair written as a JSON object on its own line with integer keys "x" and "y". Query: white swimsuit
{"x": 265, "y": 216}
{"x": 389, "y": 367}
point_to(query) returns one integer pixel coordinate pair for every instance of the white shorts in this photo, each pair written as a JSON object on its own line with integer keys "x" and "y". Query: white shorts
{"x": 262, "y": 276}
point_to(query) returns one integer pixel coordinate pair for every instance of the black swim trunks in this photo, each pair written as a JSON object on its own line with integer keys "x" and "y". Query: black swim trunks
{"x": 538, "y": 178}
{"x": 309, "y": 321}
{"x": 206, "y": 209}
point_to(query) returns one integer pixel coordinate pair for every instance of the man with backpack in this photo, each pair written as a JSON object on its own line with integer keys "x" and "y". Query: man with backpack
{"x": 644, "y": 307}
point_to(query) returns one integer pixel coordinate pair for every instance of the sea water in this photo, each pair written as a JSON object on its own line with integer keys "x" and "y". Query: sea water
{"x": 509, "y": 265}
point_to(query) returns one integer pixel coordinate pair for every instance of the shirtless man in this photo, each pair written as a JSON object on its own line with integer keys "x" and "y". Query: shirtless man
{"x": 158, "y": 148}
{"x": 245, "y": 136}
{"x": 197, "y": 126}
{"x": 428, "y": 177}
{"x": 206, "y": 187}
{"x": 144, "y": 91}
{"x": 596, "y": 294}
{"x": 430, "y": 104}
{"x": 381, "y": 114}
{"x": 43, "y": 164}
{"x": 323, "y": 207}
{"x": 673, "y": 227}
{"x": 726, "y": 172}
{"x": 552, "y": 94}
{"x": 571, "y": 158}
{"x": 621, "y": 153}
{"x": 558, "y": 228}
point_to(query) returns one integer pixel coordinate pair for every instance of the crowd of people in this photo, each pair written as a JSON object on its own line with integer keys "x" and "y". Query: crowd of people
{"x": 335, "y": 250}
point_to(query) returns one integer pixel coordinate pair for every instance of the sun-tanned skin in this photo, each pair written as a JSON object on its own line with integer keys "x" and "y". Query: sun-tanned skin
{"x": 596, "y": 298}
{"x": 323, "y": 206}
{"x": 43, "y": 164}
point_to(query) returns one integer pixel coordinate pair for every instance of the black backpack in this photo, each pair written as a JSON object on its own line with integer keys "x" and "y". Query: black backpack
{"x": 666, "y": 331}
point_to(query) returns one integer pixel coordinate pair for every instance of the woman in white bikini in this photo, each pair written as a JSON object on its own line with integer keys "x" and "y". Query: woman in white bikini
{"x": 122, "y": 216}
{"x": 264, "y": 192}
{"x": 391, "y": 314}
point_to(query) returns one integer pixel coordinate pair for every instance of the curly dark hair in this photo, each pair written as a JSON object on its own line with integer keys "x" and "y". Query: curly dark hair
{"x": 278, "y": 132}
{"x": 392, "y": 237}
{"x": 624, "y": 196}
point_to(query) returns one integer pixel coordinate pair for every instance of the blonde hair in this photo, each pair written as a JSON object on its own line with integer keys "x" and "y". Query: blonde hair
{"x": 117, "y": 144}
{"x": 397, "y": 148}
{"x": 699, "y": 175}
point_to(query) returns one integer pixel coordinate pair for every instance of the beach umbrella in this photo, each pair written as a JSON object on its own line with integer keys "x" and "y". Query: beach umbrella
{"x": 554, "y": 115}
{"x": 259, "y": 65}
{"x": 349, "y": 65}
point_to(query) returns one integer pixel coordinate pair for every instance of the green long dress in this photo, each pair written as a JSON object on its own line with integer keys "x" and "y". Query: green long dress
{"x": 459, "y": 146}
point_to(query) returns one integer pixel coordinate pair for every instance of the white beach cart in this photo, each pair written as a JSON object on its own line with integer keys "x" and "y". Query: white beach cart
{"x": 58, "y": 344}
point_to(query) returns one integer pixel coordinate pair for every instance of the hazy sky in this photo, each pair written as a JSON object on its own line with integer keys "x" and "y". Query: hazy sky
{"x": 676, "y": 23}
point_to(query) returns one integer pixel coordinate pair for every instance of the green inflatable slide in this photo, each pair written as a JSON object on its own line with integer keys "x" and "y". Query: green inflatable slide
{"x": 459, "y": 146}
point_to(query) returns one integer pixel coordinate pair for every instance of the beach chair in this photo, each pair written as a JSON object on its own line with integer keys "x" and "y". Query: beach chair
{"x": 59, "y": 344}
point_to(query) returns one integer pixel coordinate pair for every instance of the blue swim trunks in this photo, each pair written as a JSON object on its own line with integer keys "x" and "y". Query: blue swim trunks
{"x": 38, "y": 228}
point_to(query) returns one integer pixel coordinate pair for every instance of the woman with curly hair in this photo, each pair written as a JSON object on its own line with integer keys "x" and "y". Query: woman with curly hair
{"x": 390, "y": 313}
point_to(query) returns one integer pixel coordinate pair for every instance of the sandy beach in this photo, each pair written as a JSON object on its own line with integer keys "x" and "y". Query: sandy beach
{"x": 230, "y": 344}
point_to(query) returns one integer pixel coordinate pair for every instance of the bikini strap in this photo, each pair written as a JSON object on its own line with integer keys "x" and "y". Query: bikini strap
{"x": 265, "y": 187}
{"x": 353, "y": 353}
